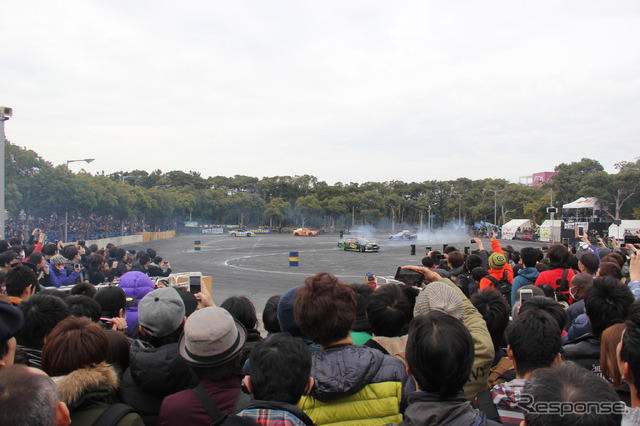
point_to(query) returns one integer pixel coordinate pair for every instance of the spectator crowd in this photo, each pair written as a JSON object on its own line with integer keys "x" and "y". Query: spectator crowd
{"x": 496, "y": 336}
{"x": 82, "y": 227}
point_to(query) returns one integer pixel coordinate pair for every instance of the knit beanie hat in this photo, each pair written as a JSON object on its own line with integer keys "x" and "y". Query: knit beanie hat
{"x": 441, "y": 297}
{"x": 497, "y": 261}
{"x": 285, "y": 313}
{"x": 58, "y": 259}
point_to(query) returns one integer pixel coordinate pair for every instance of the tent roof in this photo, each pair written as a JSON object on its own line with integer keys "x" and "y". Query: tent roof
{"x": 548, "y": 223}
{"x": 583, "y": 203}
{"x": 517, "y": 222}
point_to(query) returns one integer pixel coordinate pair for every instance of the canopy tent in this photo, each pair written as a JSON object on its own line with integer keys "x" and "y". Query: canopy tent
{"x": 583, "y": 203}
{"x": 632, "y": 226}
{"x": 545, "y": 229}
{"x": 510, "y": 228}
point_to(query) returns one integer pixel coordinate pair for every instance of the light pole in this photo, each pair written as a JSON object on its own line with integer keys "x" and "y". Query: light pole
{"x": 5, "y": 114}
{"x": 66, "y": 213}
{"x": 495, "y": 204}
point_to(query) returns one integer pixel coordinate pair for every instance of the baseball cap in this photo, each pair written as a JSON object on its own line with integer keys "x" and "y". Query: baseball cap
{"x": 161, "y": 312}
{"x": 11, "y": 320}
{"x": 112, "y": 299}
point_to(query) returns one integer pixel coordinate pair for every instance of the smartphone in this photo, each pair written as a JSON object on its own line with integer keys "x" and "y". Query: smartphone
{"x": 472, "y": 241}
{"x": 408, "y": 276}
{"x": 525, "y": 294}
{"x": 580, "y": 231}
{"x": 195, "y": 284}
{"x": 428, "y": 249}
{"x": 444, "y": 247}
{"x": 467, "y": 251}
{"x": 106, "y": 323}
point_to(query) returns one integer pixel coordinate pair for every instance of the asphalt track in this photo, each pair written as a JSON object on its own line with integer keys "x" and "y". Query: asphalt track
{"x": 258, "y": 267}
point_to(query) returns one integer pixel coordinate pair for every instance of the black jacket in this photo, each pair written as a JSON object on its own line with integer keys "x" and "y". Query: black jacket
{"x": 426, "y": 408}
{"x": 154, "y": 373}
{"x": 584, "y": 351}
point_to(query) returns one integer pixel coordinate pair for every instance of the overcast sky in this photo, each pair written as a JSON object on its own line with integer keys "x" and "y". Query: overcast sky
{"x": 345, "y": 91}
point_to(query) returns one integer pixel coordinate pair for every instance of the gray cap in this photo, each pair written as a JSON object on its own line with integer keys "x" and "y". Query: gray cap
{"x": 161, "y": 312}
{"x": 211, "y": 337}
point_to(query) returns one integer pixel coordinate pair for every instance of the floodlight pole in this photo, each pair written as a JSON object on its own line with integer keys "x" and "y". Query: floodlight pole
{"x": 5, "y": 114}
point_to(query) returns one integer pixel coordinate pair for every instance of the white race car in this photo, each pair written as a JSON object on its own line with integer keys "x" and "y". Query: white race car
{"x": 241, "y": 233}
{"x": 405, "y": 234}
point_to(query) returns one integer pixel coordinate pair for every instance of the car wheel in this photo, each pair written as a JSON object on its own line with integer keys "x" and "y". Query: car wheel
{"x": 233, "y": 235}
{"x": 343, "y": 247}
{"x": 248, "y": 235}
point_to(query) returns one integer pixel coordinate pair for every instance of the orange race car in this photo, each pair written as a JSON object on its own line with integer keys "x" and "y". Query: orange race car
{"x": 305, "y": 232}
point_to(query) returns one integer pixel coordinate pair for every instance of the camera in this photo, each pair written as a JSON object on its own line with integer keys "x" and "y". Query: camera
{"x": 631, "y": 239}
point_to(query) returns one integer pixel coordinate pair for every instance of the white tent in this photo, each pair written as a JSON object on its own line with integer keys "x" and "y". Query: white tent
{"x": 545, "y": 230}
{"x": 583, "y": 203}
{"x": 509, "y": 229}
{"x": 632, "y": 226}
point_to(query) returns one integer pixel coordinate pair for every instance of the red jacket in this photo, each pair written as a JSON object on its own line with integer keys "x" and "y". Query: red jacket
{"x": 485, "y": 283}
{"x": 183, "y": 408}
{"x": 552, "y": 276}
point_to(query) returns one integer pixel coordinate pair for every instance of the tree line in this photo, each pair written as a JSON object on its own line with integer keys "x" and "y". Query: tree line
{"x": 36, "y": 188}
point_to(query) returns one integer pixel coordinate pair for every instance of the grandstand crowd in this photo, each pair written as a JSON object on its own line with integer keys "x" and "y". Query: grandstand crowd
{"x": 90, "y": 336}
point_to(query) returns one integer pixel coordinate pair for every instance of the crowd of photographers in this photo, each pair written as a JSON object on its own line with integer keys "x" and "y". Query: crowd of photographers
{"x": 492, "y": 336}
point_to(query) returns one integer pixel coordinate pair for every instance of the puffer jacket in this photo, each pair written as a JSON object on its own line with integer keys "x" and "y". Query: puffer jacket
{"x": 89, "y": 391}
{"x": 154, "y": 373}
{"x": 355, "y": 385}
{"x": 135, "y": 285}
{"x": 584, "y": 351}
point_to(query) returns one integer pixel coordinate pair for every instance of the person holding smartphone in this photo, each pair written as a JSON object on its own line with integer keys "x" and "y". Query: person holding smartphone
{"x": 159, "y": 268}
{"x": 529, "y": 258}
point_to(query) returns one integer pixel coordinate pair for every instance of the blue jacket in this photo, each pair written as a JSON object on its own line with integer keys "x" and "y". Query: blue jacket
{"x": 526, "y": 276}
{"x": 59, "y": 277}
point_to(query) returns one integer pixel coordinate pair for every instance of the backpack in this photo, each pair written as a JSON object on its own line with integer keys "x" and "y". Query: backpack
{"x": 462, "y": 282}
{"x": 503, "y": 286}
{"x": 562, "y": 291}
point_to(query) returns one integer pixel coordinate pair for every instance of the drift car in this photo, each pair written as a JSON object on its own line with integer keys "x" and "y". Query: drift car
{"x": 305, "y": 232}
{"x": 405, "y": 234}
{"x": 358, "y": 244}
{"x": 241, "y": 233}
